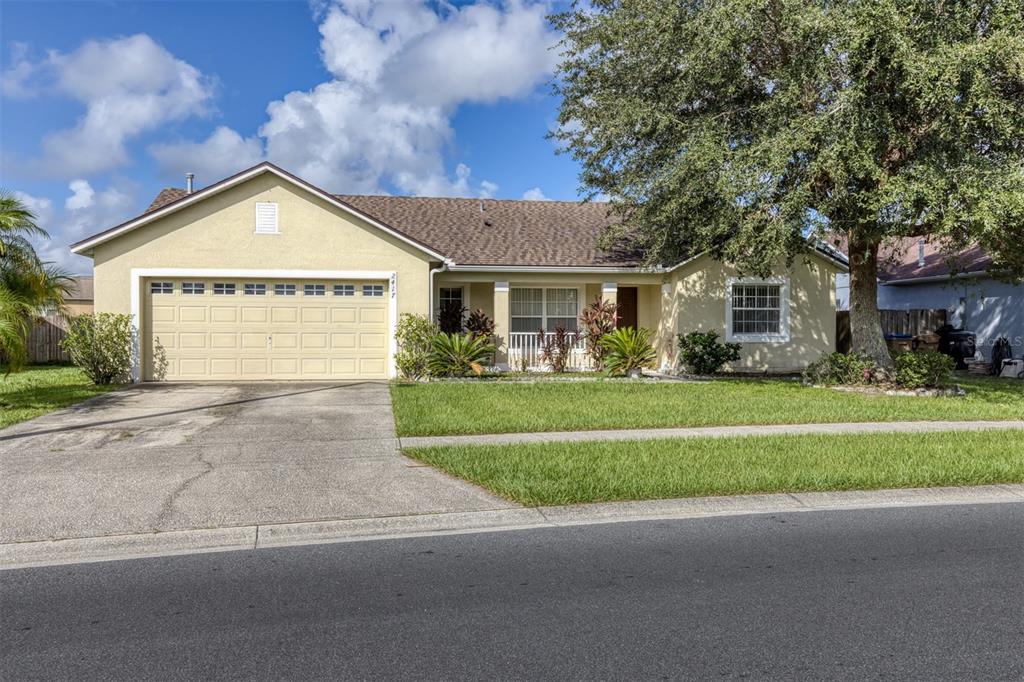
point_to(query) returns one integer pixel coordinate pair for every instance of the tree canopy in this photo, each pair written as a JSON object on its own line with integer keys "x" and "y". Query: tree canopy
{"x": 743, "y": 127}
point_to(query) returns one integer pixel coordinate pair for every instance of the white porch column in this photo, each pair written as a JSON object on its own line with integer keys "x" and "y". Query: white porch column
{"x": 501, "y": 325}
{"x": 610, "y": 292}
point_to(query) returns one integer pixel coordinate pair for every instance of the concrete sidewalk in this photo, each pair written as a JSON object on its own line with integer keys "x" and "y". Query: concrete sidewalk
{"x": 84, "y": 550}
{"x": 709, "y": 432}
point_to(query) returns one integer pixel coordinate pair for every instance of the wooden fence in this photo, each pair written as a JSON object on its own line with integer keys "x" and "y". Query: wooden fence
{"x": 911, "y": 322}
{"x": 44, "y": 341}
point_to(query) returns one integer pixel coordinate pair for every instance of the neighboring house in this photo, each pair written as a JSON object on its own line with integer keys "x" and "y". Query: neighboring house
{"x": 79, "y": 299}
{"x": 914, "y": 274}
{"x": 264, "y": 276}
{"x": 920, "y": 276}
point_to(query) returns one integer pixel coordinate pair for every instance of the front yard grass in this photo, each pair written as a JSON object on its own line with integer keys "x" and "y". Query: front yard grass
{"x": 441, "y": 408}
{"x": 38, "y": 390}
{"x": 576, "y": 472}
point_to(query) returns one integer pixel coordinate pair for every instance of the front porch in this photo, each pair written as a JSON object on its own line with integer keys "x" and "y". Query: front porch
{"x": 524, "y": 304}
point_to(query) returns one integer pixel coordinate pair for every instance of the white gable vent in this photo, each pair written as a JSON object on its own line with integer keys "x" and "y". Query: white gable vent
{"x": 266, "y": 218}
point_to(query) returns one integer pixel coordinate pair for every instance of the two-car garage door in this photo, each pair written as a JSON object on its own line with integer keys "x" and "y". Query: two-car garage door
{"x": 235, "y": 329}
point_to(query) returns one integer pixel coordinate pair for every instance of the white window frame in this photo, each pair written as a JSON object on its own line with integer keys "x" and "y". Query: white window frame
{"x": 544, "y": 304}
{"x": 190, "y": 288}
{"x": 783, "y": 335}
{"x": 254, "y": 289}
{"x": 281, "y": 289}
{"x": 378, "y": 290}
{"x": 226, "y": 289}
{"x": 314, "y": 289}
{"x": 344, "y": 290}
{"x": 267, "y": 229}
{"x": 160, "y": 288}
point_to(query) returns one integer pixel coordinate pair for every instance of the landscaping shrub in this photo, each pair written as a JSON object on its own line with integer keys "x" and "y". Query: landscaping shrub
{"x": 556, "y": 348}
{"x": 450, "y": 317}
{"x": 703, "y": 354}
{"x": 627, "y": 350}
{"x": 479, "y": 324}
{"x": 459, "y": 355}
{"x": 101, "y": 344}
{"x": 596, "y": 320}
{"x": 841, "y": 368}
{"x": 415, "y": 336}
{"x": 923, "y": 369}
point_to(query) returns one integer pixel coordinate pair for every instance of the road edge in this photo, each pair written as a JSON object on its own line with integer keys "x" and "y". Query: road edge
{"x": 180, "y": 542}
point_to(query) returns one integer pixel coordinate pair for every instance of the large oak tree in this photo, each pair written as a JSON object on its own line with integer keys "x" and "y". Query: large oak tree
{"x": 746, "y": 127}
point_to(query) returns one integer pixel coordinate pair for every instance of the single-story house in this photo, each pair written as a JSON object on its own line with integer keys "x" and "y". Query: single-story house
{"x": 264, "y": 276}
{"x": 915, "y": 274}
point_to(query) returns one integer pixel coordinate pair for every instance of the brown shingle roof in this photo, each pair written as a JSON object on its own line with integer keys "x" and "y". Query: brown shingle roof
{"x": 900, "y": 260}
{"x": 504, "y": 232}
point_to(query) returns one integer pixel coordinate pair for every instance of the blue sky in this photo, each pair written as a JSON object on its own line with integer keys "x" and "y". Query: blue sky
{"x": 105, "y": 103}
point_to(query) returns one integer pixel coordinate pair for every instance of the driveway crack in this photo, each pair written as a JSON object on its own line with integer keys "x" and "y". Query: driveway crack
{"x": 168, "y": 506}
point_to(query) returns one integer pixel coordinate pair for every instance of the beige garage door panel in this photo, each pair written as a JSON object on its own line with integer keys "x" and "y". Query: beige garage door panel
{"x": 227, "y": 337}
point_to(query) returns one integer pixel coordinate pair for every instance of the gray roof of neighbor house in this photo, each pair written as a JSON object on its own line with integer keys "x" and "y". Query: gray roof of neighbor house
{"x": 81, "y": 288}
{"x": 488, "y": 231}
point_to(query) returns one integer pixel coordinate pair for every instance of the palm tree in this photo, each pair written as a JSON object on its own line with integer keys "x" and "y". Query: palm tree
{"x": 27, "y": 284}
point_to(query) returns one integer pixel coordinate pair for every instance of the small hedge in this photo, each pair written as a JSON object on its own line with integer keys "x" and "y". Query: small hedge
{"x": 923, "y": 369}
{"x": 701, "y": 352}
{"x": 911, "y": 370}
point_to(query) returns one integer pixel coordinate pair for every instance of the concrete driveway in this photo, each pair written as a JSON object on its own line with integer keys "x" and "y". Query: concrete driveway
{"x": 177, "y": 456}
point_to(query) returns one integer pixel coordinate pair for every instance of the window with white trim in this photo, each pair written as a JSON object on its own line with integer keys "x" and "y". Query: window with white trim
{"x": 314, "y": 290}
{"x": 161, "y": 288}
{"x": 266, "y": 218}
{"x": 372, "y": 290}
{"x": 193, "y": 288}
{"x": 255, "y": 289}
{"x": 534, "y": 308}
{"x": 758, "y": 310}
{"x": 223, "y": 289}
{"x": 284, "y": 289}
{"x": 344, "y": 289}
{"x": 450, "y": 296}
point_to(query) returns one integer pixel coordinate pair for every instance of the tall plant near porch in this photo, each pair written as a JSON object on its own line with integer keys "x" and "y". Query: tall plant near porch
{"x": 741, "y": 127}
{"x": 598, "y": 318}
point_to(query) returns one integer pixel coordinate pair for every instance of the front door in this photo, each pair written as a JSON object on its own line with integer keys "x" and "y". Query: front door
{"x": 627, "y": 307}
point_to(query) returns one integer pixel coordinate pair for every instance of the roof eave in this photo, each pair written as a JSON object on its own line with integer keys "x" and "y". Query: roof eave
{"x": 85, "y": 246}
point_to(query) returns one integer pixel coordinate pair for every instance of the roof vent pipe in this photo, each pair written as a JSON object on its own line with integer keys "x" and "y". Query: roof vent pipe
{"x": 920, "y": 253}
{"x": 188, "y": 182}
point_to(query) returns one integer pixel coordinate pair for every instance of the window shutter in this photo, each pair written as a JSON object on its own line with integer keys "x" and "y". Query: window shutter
{"x": 266, "y": 218}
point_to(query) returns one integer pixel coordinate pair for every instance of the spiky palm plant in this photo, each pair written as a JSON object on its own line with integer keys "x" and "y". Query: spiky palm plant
{"x": 628, "y": 350}
{"x": 459, "y": 355}
{"x": 27, "y": 285}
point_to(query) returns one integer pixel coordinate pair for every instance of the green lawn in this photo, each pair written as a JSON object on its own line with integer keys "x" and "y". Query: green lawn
{"x": 575, "y": 472}
{"x": 441, "y": 408}
{"x": 39, "y": 390}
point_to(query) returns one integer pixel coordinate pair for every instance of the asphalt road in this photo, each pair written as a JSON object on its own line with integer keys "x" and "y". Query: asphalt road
{"x": 926, "y": 593}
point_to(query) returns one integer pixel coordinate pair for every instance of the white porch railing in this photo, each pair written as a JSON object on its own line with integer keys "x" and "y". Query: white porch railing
{"x": 524, "y": 353}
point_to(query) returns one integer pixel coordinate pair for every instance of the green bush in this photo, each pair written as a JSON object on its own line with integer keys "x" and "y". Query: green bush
{"x": 703, "y": 354}
{"x": 415, "y": 337}
{"x": 627, "y": 349}
{"x": 923, "y": 369}
{"x": 841, "y": 369}
{"x": 101, "y": 344}
{"x": 459, "y": 355}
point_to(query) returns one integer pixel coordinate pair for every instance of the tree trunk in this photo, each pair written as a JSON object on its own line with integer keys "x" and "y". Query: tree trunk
{"x": 865, "y": 322}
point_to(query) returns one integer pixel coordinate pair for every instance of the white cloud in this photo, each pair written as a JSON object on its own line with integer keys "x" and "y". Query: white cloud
{"x": 82, "y": 196}
{"x": 223, "y": 153}
{"x": 534, "y": 194}
{"x": 400, "y": 70}
{"x": 128, "y": 85}
{"x": 86, "y": 211}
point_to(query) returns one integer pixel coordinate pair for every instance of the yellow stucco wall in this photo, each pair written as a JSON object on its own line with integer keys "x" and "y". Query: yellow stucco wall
{"x": 218, "y": 232}
{"x": 698, "y": 303}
